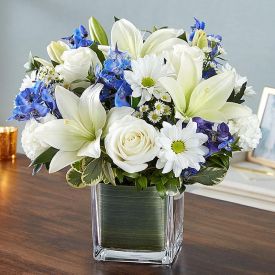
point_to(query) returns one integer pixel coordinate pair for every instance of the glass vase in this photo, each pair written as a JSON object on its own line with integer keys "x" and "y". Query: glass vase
{"x": 135, "y": 226}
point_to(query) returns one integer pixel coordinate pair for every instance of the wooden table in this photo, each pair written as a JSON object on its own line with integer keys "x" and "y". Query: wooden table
{"x": 45, "y": 229}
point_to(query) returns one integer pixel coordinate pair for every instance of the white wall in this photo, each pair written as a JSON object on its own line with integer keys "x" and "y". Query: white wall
{"x": 247, "y": 27}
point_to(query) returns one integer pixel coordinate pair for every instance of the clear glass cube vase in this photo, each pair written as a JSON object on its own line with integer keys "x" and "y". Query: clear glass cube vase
{"x": 135, "y": 226}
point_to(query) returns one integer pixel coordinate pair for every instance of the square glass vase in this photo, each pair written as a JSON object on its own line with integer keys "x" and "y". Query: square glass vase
{"x": 135, "y": 226}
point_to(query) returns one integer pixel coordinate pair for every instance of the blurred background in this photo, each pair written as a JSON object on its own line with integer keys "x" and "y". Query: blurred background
{"x": 247, "y": 28}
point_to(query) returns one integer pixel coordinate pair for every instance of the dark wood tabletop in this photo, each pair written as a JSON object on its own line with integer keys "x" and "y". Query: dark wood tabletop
{"x": 45, "y": 228}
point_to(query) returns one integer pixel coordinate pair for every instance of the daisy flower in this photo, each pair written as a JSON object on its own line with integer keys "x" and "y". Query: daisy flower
{"x": 154, "y": 116}
{"x": 145, "y": 75}
{"x": 159, "y": 107}
{"x": 180, "y": 148}
{"x": 138, "y": 114}
{"x": 167, "y": 110}
{"x": 144, "y": 108}
{"x": 165, "y": 97}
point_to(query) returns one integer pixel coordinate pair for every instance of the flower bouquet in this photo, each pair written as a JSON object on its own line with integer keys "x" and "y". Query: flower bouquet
{"x": 138, "y": 118}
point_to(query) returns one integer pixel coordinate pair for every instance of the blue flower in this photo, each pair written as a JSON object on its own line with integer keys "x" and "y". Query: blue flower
{"x": 35, "y": 102}
{"x": 208, "y": 73}
{"x": 79, "y": 38}
{"x": 217, "y": 139}
{"x": 199, "y": 25}
{"x": 116, "y": 90}
{"x": 188, "y": 172}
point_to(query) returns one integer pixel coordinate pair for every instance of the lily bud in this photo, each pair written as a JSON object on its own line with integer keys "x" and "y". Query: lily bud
{"x": 55, "y": 50}
{"x": 97, "y": 32}
{"x": 200, "y": 39}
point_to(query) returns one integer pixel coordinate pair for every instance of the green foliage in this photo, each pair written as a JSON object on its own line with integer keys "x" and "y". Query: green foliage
{"x": 238, "y": 97}
{"x": 135, "y": 101}
{"x": 99, "y": 54}
{"x": 92, "y": 173}
{"x": 97, "y": 32}
{"x": 116, "y": 18}
{"x": 141, "y": 182}
{"x": 73, "y": 178}
{"x": 31, "y": 64}
{"x": 108, "y": 173}
{"x": 44, "y": 158}
{"x": 183, "y": 37}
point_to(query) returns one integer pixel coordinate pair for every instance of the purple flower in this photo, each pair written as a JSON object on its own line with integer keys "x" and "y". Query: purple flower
{"x": 199, "y": 25}
{"x": 218, "y": 139}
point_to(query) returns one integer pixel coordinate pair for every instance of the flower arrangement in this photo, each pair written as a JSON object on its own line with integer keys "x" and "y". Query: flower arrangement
{"x": 146, "y": 108}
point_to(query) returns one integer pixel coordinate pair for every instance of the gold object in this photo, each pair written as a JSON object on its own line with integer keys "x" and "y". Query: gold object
{"x": 8, "y": 142}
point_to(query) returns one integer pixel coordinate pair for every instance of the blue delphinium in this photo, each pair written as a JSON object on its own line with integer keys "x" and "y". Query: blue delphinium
{"x": 218, "y": 139}
{"x": 35, "y": 102}
{"x": 199, "y": 25}
{"x": 79, "y": 38}
{"x": 116, "y": 90}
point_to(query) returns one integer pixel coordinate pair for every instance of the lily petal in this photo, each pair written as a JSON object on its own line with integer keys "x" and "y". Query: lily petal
{"x": 61, "y": 134}
{"x": 91, "y": 149}
{"x": 92, "y": 113}
{"x": 211, "y": 93}
{"x": 233, "y": 110}
{"x": 176, "y": 92}
{"x": 161, "y": 40}
{"x": 67, "y": 103}
{"x": 62, "y": 159}
{"x": 127, "y": 37}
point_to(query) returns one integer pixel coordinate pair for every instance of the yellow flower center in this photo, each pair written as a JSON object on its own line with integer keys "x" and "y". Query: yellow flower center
{"x": 148, "y": 82}
{"x": 178, "y": 146}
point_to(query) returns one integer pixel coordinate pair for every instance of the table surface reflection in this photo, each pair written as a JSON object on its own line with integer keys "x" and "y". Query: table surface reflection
{"x": 45, "y": 229}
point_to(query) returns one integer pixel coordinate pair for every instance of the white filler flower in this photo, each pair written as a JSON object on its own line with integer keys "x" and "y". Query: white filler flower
{"x": 248, "y": 130}
{"x": 145, "y": 75}
{"x": 180, "y": 148}
{"x": 32, "y": 145}
{"x": 130, "y": 143}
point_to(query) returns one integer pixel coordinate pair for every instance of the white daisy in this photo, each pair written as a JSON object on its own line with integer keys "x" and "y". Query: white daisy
{"x": 145, "y": 75}
{"x": 144, "y": 108}
{"x": 138, "y": 114}
{"x": 180, "y": 148}
{"x": 159, "y": 107}
{"x": 154, "y": 116}
{"x": 167, "y": 110}
{"x": 165, "y": 97}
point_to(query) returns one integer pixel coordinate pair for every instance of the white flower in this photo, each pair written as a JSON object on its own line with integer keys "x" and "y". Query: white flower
{"x": 130, "y": 143}
{"x": 144, "y": 108}
{"x": 77, "y": 63}
{"x": 159, "y": 106}
{"x": 248, "y": 130}
{"x": 167, "y": 110}
{"x": 165, "y": 97}
{"x": 47, "y": 74}
{"x": 145, "y": 75}
{"x": 78, "y": 134}
{"x": 239, "y": 81}
{"x": 32, "y": 145}
{"x": 138, "y": 114}
{"x": 128, "y": 38}
{"x": 154, "y": 117}
{"x": 207, "y": 99}
{"x": 180, "y": 148}
{"x": 55, "y": 50}
{"x": 28, "y": 81}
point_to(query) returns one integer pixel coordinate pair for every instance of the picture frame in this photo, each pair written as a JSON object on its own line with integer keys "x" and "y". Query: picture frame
{"x": 265, "y": 152}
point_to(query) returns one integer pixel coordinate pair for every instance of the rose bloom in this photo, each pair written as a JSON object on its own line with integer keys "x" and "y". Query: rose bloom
{"x": 77, "y": 63}
{"x": 130, "y": 143}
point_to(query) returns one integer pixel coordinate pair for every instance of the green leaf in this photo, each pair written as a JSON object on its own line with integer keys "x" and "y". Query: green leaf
{"x": 161, "y": 189}
{"x": 237, "y": 97}
{"x": 208, "y": 176}
{"x": 73, "y": 178}
{"x": 97, "y": 32}
{"x": 135, "y": 101}
{"x": 78, "y": 91}
{"x": 36, "y": 169}
{"x": 131, "y": 175}
{"x": 92, "y": 174}
{"x": 116, "y": 18}
{"x": 142, "y": 182}
{"x": 108, "y": 173}
{"x": 183, "y": 37}
{"x": 99, "y": 54}
{"x": 119, "y": 175}
{"x": 78, "y": 166}
{"x": 45, "y": 157}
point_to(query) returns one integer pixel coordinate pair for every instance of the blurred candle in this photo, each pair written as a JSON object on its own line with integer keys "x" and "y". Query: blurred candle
{"x": 8, "y": 142}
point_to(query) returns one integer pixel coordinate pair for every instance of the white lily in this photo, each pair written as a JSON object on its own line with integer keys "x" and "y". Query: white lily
{"x": 128, "y": 38}
{"x": 78, "y": 133}
{"x": 203, "y": 98}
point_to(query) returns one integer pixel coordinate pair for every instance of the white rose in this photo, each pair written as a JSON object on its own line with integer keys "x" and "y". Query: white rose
{"x": 32, "y": 145}
{"x": 130, "y": 143}
{"x": 248, "y": 130}
{"x": 77, "y": 63}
